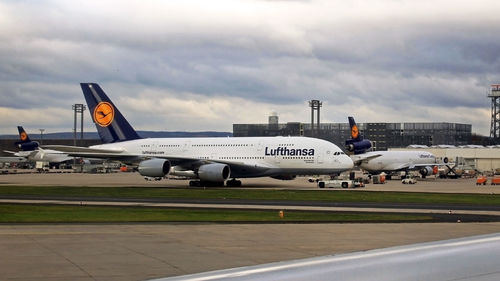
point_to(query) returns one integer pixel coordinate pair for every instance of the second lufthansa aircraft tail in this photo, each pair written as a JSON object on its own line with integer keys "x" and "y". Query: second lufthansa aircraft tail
{"x": 356, "y": 144}
{"x": 25, "y": 143}
{"x": 110, "y": 123}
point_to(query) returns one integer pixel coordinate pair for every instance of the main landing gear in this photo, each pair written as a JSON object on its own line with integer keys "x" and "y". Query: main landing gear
{"x": 196, "y": 183}
{"x": 229, "y": 183}
{"x": 233, "y": 183}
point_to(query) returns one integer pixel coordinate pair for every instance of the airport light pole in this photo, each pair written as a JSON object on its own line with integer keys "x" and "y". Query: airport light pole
{"x": 41, "y": 135}
{"x": 315, "y": 106}
{"x": 78, "y": 109}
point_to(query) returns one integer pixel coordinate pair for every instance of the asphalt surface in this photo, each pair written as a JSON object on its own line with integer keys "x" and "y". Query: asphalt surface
{"x": 474, "y": 258}
{"x": 83, "y": 252}
{"x": 144, "y": 251}
{"x": 134, "y": 179}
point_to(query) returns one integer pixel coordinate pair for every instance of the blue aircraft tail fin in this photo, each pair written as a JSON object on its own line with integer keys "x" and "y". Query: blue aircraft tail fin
{"x": 355, "y": 135}
{"x": 25, "y": 143}
{"x": 356, "y": 144}
{"x": 23, "y": 136}
{"x": 110, "y": 123}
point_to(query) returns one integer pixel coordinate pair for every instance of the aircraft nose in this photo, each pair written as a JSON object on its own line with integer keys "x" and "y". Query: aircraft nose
{"x": 347, "y": 162}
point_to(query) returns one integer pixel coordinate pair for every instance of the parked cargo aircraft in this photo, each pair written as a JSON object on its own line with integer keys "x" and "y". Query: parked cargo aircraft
{"x": 211, "y": 161}
{"x": 32, "y": 152}
{"x": 376, "y": 162}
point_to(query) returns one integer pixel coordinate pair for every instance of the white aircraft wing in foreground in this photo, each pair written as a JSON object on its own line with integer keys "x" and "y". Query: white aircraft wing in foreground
{"x": 472, "y": 258}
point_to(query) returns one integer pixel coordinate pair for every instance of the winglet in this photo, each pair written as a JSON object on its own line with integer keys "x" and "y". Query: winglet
{"x": 110, "y": 123}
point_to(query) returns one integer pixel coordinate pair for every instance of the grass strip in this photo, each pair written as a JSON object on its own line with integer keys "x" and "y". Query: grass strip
{"x": 20, "y": 213}
{"x": 247, "y": 194}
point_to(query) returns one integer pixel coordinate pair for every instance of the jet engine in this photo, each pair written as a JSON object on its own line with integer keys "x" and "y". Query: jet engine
{"x": 27, "y": 146}
{"x": 284, "y": 177}
{"x": 214, "y": 172}
{"x": 426, "y": 171}
{"x": 358, "y": 147}
{"x": 154, "y": 168}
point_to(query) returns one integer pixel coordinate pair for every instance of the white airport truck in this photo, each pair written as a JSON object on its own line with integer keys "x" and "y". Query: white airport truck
{"x": 42, "y": 166}
{"x": 336, "y": 183}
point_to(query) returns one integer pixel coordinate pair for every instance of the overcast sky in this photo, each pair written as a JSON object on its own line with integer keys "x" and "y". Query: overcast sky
{"x": 204, "y": 65}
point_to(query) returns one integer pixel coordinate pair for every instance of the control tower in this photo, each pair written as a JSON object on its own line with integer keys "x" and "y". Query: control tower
{"x": 494, "y": 94}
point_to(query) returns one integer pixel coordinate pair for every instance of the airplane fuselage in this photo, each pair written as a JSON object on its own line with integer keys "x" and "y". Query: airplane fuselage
{"x": 389, "y": 161}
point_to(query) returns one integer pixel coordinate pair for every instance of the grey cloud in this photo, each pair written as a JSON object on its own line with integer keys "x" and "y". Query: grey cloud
{"x": 390, "y": 62}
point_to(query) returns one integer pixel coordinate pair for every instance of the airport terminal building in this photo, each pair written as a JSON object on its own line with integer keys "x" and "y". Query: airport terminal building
{"x": 383, "y": 135}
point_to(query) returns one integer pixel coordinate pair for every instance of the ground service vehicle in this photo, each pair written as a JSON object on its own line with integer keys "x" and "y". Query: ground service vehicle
{"x": 409, "y": 180}
{"x": 481, "y": 180}
{"x": 495, "y": 180}
{"x": 340, "y": 183}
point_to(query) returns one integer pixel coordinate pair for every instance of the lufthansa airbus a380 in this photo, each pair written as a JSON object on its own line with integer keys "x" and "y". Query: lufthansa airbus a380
{"x": 211, "y": 161}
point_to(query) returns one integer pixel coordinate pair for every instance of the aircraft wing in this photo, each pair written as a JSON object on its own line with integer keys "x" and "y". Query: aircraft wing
{"x": 79, "y": 149}
{"x": 25, "y": 154}
{"x": 363, "y": 159}
{"x": 428, "y": 164}
{"x": 112, "y": 154}
{"x": 12, "y": 159}
{"x": 413, "y": 166}
{"x": 122, "y": 155}
{"x": 471, "y": 258}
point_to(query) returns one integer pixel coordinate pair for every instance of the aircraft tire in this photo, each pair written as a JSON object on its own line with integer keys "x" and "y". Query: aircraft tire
{"x": 194, "y": 183}
{"x": 211, "y": 184}
{"x": 233, "y": 183}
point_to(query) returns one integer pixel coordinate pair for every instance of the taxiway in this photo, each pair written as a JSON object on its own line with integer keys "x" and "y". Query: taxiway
{"x": 144, "y": 251}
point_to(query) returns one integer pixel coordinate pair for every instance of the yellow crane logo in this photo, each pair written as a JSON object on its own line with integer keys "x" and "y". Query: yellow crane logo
{"x": 104, "y": 114}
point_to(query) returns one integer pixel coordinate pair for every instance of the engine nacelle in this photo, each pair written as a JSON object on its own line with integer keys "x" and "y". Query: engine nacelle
{"x": 176, "y": 171}
{"x": 358, "y": 147}
{"x": 284, "y": 177}
{"x": 27, "y": 146}
{"x": 426, "y": 171}
{"x": 154, "y": 168}
{"x": 215, "y": 172}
